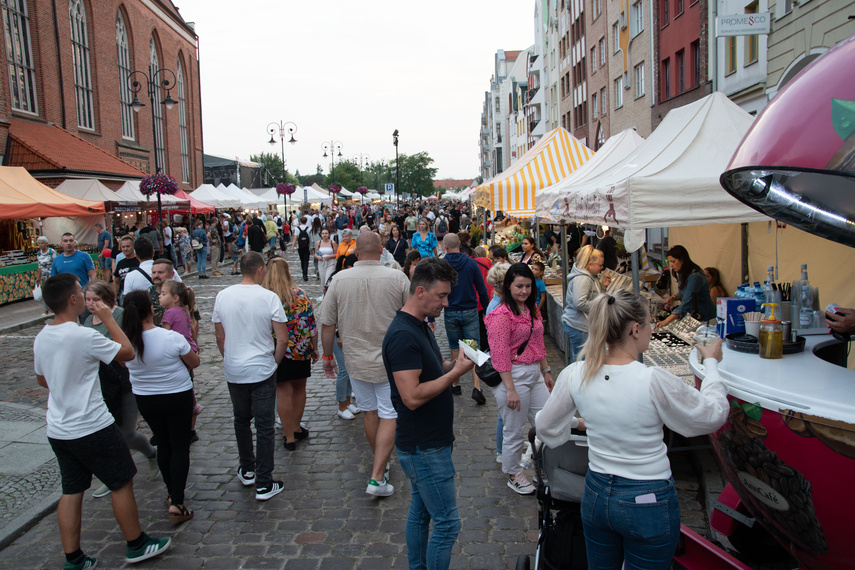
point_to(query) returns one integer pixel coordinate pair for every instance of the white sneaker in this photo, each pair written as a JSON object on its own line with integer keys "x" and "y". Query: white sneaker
{"x": 519, "y": 484}
{"x": 346, "y": 414}
{"x": 278, "y": 422}
{"x": 353, "y": 409}
{"x": 383, "y": 489}
{"x": 101, "y": 491}
{"x": 498, "y": 458}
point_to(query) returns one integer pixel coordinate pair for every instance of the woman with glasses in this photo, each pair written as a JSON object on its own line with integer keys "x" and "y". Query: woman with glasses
{"x": 630, "y": 510}
{"x": 583, "y": 285}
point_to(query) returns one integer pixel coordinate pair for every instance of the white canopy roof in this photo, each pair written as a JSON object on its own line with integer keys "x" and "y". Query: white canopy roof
{"x": 130, "y": 190}
{"x": 267, "y": 195}
{"x": 212, "y": 196}
{"x": 670, "y": 180}
{"x": 91, "y": 189}
{"x": 313, "y": 195}
{"x": 554, "y": 204}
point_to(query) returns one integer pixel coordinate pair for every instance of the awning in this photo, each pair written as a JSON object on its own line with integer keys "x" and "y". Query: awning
{"x": 130, "y": 190}
{"x": 92, "y": 189}
{"x": 22, "y": 196}
{"x": 552, "y": 159}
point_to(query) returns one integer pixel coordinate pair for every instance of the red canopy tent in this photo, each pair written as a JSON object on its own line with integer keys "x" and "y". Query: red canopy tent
{"x": 195, "y": 205}
{"x": 22, "y": 196}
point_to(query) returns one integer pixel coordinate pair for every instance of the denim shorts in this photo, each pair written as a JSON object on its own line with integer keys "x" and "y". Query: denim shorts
{"x": 461, "y": 325}
{"x": 103, "y": 454}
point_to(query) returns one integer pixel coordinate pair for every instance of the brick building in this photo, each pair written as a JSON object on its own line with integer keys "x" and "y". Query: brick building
{"x": 68, "y": 63}
{"x": 680, "y": 42}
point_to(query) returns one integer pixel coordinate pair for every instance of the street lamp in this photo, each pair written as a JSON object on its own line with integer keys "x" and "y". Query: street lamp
{"x": 334, "y": 149}
{"x": 283, "y": 128}
{"x": 362, "y": 162}
{"x": 154, "y": 80}
{"x": 397, "y": 168}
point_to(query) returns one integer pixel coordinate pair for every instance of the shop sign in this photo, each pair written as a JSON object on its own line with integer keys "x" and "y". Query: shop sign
{"x": 744, "y": 24}
{"x": 764, "y": 493}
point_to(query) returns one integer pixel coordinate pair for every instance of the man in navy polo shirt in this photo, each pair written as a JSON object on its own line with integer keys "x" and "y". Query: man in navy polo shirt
{"x": 421, "y": 392}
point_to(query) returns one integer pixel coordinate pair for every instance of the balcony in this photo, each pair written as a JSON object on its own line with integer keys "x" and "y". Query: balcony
{"x": 532, "y": 92}
{"x": 532, "y": 124}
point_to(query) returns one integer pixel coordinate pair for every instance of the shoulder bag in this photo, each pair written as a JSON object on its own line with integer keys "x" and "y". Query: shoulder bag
{"x": 488, "y": 374}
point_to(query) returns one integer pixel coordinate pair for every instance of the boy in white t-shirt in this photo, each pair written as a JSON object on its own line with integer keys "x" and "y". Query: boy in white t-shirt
{"x": 80, "y": 429}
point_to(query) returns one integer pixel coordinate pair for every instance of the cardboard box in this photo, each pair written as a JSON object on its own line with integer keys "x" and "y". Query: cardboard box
{"x": 729, "y": 312}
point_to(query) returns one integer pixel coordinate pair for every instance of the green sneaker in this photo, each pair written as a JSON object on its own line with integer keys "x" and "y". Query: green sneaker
{"x": 86, "y": 564}
{"x": 151, "y": 548}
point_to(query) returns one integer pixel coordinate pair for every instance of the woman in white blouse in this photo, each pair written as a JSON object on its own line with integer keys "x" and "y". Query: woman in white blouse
{"x": 630, "y": 510}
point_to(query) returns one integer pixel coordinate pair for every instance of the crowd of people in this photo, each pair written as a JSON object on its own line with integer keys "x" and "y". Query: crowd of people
{"x": 387, "y": 277}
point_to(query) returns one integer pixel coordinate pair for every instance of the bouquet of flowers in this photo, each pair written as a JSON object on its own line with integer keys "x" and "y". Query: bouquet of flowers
{"x": 362, "y": 190}
{"x": 159, "y": 183}
{"x": 334, "y": 189}
{"x": 285, "y": 188}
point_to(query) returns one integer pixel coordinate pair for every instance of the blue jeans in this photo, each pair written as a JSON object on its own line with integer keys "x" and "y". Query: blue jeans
{"x": 431, "y": 474}
{"x": 202, "y": 258}
{"x": 576, "y": 339}
{"x": 461, "y": 325}
{"x": 342, "y": 381}
{"x": 617, "y": 529}
{"x": 256, "y": 400}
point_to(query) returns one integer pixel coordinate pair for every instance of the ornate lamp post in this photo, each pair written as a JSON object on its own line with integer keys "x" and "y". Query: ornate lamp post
{"x": 283, "y": 128}
{"x": 397, "y": 169}
{"x": 334, "y": 149}
{"x": 153, "y": 81}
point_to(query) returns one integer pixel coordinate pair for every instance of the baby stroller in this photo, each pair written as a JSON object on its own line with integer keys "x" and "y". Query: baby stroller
{"x": 560, "y": 474}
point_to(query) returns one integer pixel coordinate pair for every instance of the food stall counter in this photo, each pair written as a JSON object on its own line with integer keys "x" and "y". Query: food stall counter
{"x": 788, "y": 448}
{"x": 17, "y": 281}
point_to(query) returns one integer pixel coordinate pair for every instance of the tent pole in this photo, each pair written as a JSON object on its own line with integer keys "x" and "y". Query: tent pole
{"x": 564, "y": 272}
{"x": 635, "y": 287}
{"x": 744, "y": 250}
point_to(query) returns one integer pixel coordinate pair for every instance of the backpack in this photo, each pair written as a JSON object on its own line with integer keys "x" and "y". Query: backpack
{"x": 442, "y": 227}
{"x": 303, "y": 239}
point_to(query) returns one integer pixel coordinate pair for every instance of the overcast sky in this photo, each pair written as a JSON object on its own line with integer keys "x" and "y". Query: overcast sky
{"x": 352, "y": 72}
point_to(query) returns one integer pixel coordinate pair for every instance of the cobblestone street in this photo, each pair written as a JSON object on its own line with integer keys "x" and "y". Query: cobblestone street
{"x": 323, "y": 519}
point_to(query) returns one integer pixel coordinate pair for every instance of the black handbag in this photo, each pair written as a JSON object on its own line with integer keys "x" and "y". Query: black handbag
{"x": 488, "y": 374}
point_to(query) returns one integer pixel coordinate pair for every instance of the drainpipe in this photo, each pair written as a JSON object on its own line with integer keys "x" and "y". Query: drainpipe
{"x": 59, "y": 58}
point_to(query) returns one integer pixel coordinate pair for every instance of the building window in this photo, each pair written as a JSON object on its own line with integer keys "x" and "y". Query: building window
{"x": 182, "y": 125}
{"x": 616, "y": 37}
{"x": 124, "y": 59}
{"x": 681, "y": 71}
{"x": 639, "y": 80}
{"x": 594, "y": 107}
{"x": 666, "y": 12}
{"x": 602, "y": 52}
{"x": 678, "y": 8}
{"x": 22, "y": 77}
{"x": 603, "y": 100}
{"x": 637, "y": 13}
{"x": 497, "y": 105}
{"x": 696, "y": 63}
{"x": 730, "y": 56}
{"x": 666, "y": 78}
{"x": 593, "y": 60}
{"x": 618, "y": 92}
{"x": 82, "y": 75}
{"x": 160, "y": 154}
{"x": 751, "y": 42}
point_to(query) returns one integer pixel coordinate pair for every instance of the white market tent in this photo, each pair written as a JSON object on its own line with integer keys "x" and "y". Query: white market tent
{"x": 247, "y": 200}
{"x": 554, "y": 204}
{"x": 672, "y": 179}
{"x": 210, "y": 195}
{"x": 130, "y": 190}
{"x": 266, "y": 195}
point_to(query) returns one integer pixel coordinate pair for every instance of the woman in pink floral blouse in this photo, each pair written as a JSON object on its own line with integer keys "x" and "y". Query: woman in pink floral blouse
{"x": 301, "y": 353}
{"x": 515, "y": 332}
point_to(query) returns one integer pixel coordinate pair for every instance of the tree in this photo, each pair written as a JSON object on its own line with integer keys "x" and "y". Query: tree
{"x": 345, "y": 174}
{"x": 417, "y": 174}
{"x": 271, "y": 165}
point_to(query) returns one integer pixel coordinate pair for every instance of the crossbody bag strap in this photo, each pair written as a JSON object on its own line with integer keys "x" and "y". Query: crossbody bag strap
{"x": 521, "y": 349}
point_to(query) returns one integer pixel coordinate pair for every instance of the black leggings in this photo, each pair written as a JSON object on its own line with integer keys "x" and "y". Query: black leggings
{"x": 169, "y": 416}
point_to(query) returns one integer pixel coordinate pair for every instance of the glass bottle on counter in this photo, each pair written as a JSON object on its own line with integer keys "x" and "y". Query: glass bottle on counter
{"x": 771, "y": 335}
{"x": 806, "y": 308}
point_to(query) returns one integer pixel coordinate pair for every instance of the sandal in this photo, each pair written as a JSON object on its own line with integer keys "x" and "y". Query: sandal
{"x": 180, "y": 517}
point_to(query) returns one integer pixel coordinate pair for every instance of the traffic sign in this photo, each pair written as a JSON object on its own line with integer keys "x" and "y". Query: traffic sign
{"x": 389, "y": 188}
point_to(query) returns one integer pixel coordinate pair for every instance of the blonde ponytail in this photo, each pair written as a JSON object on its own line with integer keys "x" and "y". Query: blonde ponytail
{"x": 609, "y": 319}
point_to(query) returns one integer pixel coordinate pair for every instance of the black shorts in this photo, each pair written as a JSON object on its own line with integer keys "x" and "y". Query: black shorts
{"x": 293, "y": 370}
{"x": 103, "y": 454}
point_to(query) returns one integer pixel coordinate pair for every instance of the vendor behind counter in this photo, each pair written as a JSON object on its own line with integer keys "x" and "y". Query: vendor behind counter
{"x": 693, "y": 289}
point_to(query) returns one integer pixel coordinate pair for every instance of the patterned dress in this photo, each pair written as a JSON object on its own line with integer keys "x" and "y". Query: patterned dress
{"x": 301, "y": 327}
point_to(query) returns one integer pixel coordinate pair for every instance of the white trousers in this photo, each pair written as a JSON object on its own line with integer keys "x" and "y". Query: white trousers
{"x": 530, "y": 387}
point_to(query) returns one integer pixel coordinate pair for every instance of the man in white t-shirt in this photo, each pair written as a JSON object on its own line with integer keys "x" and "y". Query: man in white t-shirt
{"x": 140, "y": 279}
{"x": 245, "y": 316}
{"x": 81, "y": 431}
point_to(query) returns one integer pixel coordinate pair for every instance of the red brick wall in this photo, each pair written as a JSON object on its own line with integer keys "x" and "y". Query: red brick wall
{"x": 50, "y": 31}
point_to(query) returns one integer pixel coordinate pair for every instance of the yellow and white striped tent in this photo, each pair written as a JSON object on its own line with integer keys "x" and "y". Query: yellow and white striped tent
{"x": 553, "y": 158}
